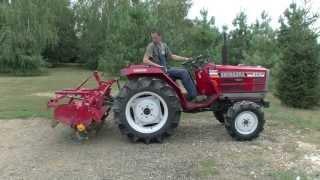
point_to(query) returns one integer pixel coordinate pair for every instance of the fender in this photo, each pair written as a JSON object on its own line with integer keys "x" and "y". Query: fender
{"x": 135, "y": 71}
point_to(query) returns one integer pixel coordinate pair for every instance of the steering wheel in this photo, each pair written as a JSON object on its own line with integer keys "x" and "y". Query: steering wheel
{"x": 196, "y": 62}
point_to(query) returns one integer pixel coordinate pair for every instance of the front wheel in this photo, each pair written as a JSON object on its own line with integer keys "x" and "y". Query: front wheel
{"x": 244, "y": 120}
{"x": 147, "y": 109}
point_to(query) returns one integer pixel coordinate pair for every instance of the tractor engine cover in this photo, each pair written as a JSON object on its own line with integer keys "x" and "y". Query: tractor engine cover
{"x": 233, "y": 82}
{"x": 242, "y": 82}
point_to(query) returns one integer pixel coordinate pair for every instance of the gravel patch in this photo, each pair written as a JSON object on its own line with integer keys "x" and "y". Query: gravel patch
{"x": 199, "y": 149}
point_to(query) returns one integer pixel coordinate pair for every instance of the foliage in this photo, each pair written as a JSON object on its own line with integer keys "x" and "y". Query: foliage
{"x": 204, "y": 37}
{"x": 253, "y": 44}
{"x": 298, "y": 76}
{"x": 125, "y": 38}
{"x": 26, "y": 28}
{"x": 116, "y": 32}
{"x": 263, "y": 49}
{"x": 239, "y": 39}
{"x": 107, "y": 35}
{"x": 65, "y": 48}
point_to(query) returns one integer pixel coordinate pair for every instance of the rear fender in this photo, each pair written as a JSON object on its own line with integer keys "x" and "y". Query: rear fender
{"x": 136, "y": 71}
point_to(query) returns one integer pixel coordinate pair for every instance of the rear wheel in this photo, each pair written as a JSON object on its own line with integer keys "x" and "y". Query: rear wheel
{"x": 219, "y": 115}
{"x": 147, "y": 109}
{"x": 244, "y": 120}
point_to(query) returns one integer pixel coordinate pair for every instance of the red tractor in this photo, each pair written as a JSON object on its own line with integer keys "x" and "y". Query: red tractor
{"x": 149, "y": 105}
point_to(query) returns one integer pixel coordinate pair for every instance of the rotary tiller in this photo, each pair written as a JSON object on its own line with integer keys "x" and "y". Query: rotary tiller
{"x": 83, "y": 109}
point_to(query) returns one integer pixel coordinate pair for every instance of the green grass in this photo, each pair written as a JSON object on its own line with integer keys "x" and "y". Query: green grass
{"x": 25, "y": 97}
{"x": 207, "y": 168}
{"x": 298, "y": 118}
{"x": 288, "y": 175}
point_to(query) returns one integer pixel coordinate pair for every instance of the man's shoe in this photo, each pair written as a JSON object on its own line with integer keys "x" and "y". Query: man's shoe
{"x": 198, "y": 99}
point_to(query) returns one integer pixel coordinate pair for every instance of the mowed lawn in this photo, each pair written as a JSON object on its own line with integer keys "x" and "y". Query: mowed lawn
{"x": 26, "y": 97}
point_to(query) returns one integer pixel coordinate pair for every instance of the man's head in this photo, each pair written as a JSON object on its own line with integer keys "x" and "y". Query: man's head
{"x": 156, "y": 37}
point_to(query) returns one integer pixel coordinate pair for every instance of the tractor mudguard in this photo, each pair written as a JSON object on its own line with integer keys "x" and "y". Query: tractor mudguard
{"x": 135, "y": 71}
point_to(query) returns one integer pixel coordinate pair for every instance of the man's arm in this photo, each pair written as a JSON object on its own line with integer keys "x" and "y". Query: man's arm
{"x": 148, "y": 55}
{"x": 174, "y": 56}
{"x": 146, "y": 60}
{"x": 179, "y": 58}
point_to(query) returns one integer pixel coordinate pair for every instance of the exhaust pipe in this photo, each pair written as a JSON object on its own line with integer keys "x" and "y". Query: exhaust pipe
{"x": 224, "y": 50}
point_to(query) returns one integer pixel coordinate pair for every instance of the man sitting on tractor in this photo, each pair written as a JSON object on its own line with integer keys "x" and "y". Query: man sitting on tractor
{"x": 157, "y": 54}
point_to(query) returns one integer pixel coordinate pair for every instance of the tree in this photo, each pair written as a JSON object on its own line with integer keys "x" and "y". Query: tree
{"x": 115, "y": 32}
{"x": 298, "y": 76}
{"x": 204, "y": 37}
{"x": 65, "y": 49}
{"x": 112, "y": 33}
{"x": 262, "y": 44}
{"x": 239, "y": 39}
{"x": 26, "y": 28}
{"x": 127, "y": 37}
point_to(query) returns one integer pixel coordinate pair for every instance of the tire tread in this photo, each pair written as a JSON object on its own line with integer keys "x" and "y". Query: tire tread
{"x": 164, "y": 90}
{"x": 235, "y": 110}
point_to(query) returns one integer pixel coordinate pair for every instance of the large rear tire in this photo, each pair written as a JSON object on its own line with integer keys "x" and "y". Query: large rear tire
{"x": 147, "y": 109}
{"x": 219, "y": 115}
{"x": 244, "y": 120}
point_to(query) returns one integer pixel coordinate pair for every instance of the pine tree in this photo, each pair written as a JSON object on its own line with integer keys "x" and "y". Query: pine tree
{"x": 298, "y": 76}
{"x": 239, "y": 39}
{"x": 204, "y": 37}
{"x": 263, "y": 49}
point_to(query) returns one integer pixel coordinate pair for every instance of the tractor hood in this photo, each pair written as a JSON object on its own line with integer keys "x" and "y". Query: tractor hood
{"x": 243, "y": 79}
{"x": 240, "y": 68}
{"x": 242, "y": 71}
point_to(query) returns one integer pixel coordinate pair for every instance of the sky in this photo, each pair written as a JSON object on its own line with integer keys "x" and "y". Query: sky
{"x": 225, "y": 11}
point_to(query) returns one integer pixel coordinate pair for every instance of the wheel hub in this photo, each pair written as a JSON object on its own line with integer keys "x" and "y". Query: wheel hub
{"x": 147, "y": 110}
{"x": 246, "y": 122}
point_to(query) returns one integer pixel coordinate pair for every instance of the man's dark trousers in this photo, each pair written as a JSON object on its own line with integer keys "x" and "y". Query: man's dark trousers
{"x": 178, "y": 73}
{"x": 184, "y": 76}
